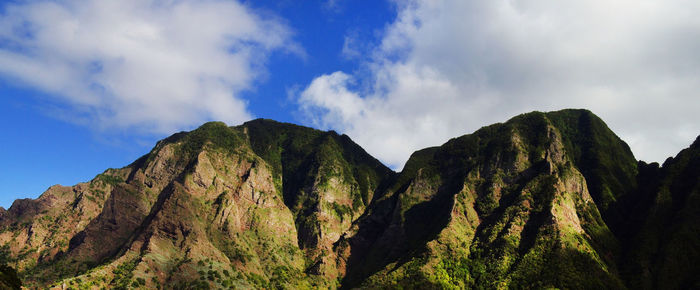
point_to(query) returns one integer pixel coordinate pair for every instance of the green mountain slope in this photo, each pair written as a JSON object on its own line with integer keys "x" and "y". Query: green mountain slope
{"x": 506, "y": 206}
{"x": 543, "y": 200}
{"x": 207, "y": 208}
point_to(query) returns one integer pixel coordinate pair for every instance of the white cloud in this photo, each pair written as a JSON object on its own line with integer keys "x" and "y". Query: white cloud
{"x": 351, "y": 47}
{"x": 156, "y": 66}
{"x": 333, "y": 5}
{"x": 446, "y": 68}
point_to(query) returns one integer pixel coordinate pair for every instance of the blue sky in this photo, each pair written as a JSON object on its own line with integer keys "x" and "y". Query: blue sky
{"x": 40, "y": 149}
{"x": 89, "y": 85}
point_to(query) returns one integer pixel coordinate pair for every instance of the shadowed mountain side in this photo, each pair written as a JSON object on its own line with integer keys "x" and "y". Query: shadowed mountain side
{"x": 662, "y": 243}
{"x": 9, "y": 279}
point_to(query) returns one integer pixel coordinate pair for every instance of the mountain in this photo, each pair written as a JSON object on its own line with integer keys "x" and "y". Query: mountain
{"x": 258, "y": 205}
{"x": 543, "y": 200}
{"x": 516, "y": 204}
{"x": 662, "y": 247}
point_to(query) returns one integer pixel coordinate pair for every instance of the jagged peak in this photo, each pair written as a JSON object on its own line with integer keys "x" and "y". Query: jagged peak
{"x": 696, "y": 143}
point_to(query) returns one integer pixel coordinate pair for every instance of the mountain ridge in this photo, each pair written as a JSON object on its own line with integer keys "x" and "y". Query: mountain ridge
{"x": 550, "y": 199}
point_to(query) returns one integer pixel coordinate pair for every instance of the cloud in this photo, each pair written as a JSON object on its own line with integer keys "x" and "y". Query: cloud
{"x": 335, "y": 6}
{"x": 351, "y": 46}
{"x": 446, "y": 68}
{"x": 157, "y": 66}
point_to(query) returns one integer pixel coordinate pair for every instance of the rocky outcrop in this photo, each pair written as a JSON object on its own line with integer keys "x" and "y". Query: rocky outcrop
{"x": 34, "y": 231}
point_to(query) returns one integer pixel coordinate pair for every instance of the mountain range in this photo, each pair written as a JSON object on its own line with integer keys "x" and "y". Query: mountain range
{"x": 544, "y": 200}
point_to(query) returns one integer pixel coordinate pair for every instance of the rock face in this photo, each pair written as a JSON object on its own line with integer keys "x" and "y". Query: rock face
{"x": 543, "y": 200}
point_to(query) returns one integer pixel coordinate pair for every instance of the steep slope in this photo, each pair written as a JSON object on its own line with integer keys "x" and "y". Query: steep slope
{"x": 202, "y": 209}
{"x": 34, "y": 231}
{"x": 507, "y": 206}
{"x": 327, "y": 182}
{"x": 603, "y": 158}
{"x": 663, "y": 247}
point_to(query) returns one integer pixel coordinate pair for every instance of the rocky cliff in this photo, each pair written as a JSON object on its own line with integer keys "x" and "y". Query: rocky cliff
{"x": 544, "y": 200}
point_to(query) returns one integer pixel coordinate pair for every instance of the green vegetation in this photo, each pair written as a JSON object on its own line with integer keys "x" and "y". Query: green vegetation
{"x": 123, "y": 275}
{"x": 217, "y": 134}
{"x": 341, "y": 210}
{"x": 110, "y": 179}
{"x": 298, "y": 153}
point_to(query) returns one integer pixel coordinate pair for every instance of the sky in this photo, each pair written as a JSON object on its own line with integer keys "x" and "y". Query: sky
{"x": 93, "y": 84}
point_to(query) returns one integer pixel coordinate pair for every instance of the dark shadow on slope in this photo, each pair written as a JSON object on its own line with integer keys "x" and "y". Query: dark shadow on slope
{"x": 9, "y": 278}
{"x": 400, "y": 239}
